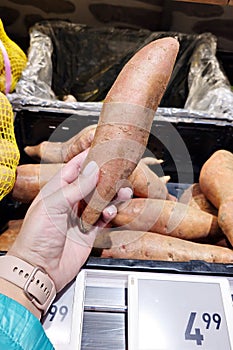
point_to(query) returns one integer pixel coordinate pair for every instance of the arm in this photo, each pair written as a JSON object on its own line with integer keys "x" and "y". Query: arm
{"x": 50, "y": 237}
{"x": 19, "y": 328}
{"x": 17, "y": 294}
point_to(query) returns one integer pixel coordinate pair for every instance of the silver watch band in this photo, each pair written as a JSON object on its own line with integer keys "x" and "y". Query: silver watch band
{"x": 35, "y": 282}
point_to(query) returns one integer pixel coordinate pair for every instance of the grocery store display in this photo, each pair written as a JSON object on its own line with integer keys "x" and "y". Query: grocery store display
{"x": 181, "y": 217}
{"x": 192, "y": 216}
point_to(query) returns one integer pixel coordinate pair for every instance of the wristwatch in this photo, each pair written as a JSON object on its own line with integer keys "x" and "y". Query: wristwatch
{"x": 33, "y": 280}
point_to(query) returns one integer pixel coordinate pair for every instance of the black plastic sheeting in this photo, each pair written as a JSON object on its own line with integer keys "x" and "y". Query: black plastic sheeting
{"x": 87, "y": 60}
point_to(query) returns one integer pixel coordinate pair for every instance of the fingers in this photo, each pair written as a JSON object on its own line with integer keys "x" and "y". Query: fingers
{"x": 108, "y": 214}
{"x": 68, "y": 196}
{"x": 71, "y": 170}
{"x": 69, "y": 173}
{"x": 124, "y": 194}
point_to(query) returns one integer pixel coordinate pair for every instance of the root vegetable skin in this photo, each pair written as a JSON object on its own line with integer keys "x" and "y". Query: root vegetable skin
{"x": 154, "y": 246}
{"x": 145, "y": 183}
{"x": 30, "y": 178}
{"x": 62, "y": 152}
{"x": 167, "y": 218}
{"x": 194, "y": 197}
{"x": 216, "y": 177}
{"x": 216, "y": 183}
{"x": 125, "y": 121}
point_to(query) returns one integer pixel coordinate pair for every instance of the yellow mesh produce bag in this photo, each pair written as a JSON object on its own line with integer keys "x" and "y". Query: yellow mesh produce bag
{"x": 9, "y": 153}
{"x": 12, "y": 62}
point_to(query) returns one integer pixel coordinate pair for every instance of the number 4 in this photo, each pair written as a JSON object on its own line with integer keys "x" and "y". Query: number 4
{"x": 193, "y": 336}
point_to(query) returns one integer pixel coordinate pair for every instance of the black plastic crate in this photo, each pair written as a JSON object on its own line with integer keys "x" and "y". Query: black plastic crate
{"x": 172, "y": 140}
{"x": 201, "y": 137}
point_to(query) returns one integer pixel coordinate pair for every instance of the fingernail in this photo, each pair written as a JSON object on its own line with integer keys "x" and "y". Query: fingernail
{"x": 111, "y": 210}
{"x": 91, "y": 168}
{"x": 130, "y": 191}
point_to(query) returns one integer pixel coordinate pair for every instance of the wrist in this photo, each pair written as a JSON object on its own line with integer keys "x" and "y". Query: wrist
{"x": 29, "y": 285}
{"x": 12, "y": 291}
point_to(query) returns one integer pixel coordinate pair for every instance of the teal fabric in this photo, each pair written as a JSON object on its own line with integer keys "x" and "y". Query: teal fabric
{"x": 20, "y": 329}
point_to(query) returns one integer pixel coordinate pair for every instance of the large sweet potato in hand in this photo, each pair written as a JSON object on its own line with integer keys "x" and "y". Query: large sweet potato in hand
{"x": 216, "y": 183}
{"x": 125, "y": 121}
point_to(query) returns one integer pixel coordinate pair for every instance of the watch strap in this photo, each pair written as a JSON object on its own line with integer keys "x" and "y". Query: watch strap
{"x": 33, "y": 280}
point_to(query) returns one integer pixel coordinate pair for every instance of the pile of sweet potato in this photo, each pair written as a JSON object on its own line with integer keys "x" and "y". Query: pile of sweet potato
{"x": 152, "y": 225}
{"x": 196, "y": 227}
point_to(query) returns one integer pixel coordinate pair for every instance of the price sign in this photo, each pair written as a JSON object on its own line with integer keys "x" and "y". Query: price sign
{"x": 58, "y": 321}
{"x": 63, "y": 322}
{"x": 179, "y": 312}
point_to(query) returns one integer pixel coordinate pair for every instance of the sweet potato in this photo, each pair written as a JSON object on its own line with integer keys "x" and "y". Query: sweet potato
{"x": 167, "y": 218}
{"x": 62, "y": 152}
{"x": 125, "y": 121}
{"x": 194, "y": 197}
{"x": 30, "y": 178}
{"x": 216, "y": 183}
{"x": 8, "y": 237}
{"x": 154, "y": 246}
{"x": 145, "y": 183}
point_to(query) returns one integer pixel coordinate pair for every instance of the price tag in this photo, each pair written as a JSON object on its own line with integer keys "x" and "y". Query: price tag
{"x": 179, "y": 312}
{"x": 58, "y": 321}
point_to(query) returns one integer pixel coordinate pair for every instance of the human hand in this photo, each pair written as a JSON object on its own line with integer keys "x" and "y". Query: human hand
{"x": 50, "y": 236}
